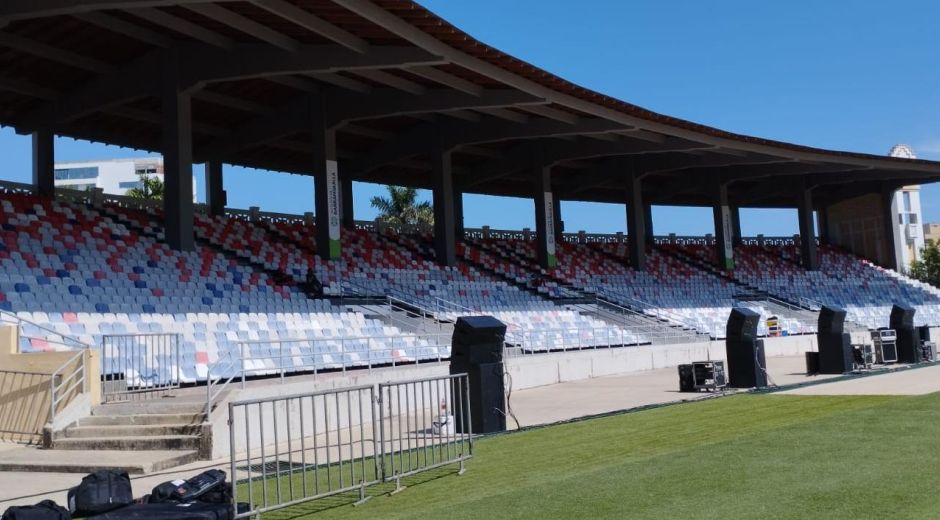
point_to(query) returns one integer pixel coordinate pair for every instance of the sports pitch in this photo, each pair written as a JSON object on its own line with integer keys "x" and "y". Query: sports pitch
{"x": 749, "y": 456}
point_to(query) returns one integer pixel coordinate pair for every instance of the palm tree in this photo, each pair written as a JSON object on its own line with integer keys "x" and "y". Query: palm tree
{"x": 401, "y": 207}
{"x": 151, "y": 188}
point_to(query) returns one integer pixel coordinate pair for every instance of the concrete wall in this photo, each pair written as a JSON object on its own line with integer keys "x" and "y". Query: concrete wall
{"x": 26, "y": 382}
{"x": 549, "y": 369}
{"x": 858, "y": 225}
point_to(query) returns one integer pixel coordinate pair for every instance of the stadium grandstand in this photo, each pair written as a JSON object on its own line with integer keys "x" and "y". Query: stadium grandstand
{"x": 384, "y": 91}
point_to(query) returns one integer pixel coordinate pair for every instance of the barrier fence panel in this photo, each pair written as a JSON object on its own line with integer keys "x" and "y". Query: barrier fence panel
{"x": 424, "y": 424}
{"x": 287, "y": 450}
{"x": 294, "y": 449}
{"x": 139, "y": 366}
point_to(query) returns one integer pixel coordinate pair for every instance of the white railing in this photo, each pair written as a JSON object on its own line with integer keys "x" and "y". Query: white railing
{"x": 571, "y": 338}
{"x": 62, "y": 339}
{"x": 655, "y": 330}
{"x": 364, "y": 353}
{"x": 64, "y": 384}
{"x": 228, "y": 367}
{"x": 810, "y": 304}
{"x": 650, "y": 310}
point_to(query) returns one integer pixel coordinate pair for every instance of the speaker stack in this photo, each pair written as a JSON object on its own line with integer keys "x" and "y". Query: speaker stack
{"x": 908, "y": 340}
{"x": 477, "y": 350}
{"x": 835, "y": 346}
{"x": 746, "y": 364}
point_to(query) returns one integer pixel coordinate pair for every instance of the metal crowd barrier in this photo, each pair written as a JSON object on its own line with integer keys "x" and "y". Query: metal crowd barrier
{"x": 139, "y": 366}
{"x": 288, "y": 450}
{"x": 424, "y": 425}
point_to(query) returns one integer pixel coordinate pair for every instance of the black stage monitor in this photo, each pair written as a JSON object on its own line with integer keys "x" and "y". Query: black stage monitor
{"x": 908, "y": 342}
{"x": 835, "y": 347}
{"x": 746, "y": 364}
{"x": 477, "y": 350}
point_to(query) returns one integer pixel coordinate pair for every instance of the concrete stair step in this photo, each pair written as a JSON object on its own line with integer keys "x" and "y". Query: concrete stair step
{"x": 137, "y": 430}
{"x": 156, "y": 442}
{"x": 52, "y": 461}
{"x": 142, "y": 420}
{"x": 164, "y": 406}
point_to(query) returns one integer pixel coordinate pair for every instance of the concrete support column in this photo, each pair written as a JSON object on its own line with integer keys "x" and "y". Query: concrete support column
{"x": 545, "y": 213}
{"x": 822, "y": 220}
{"x": 724, "y": 228}
{"x": 44, "y": 163}
{"x": 808, "y": 253}
{"x": 445, "y": 237}
{"x": 326, "y": 186}
{"x": 890, "y": 220}
{"x": 177, "y": 165}
{"x": 736, "y": 225}
{"x": 458, "y": 214}
{"x": 648, "y": 220}
{"x": 349, "y": 216}
{"x": 636, "y": 221}
{"x": 216, "y": 198}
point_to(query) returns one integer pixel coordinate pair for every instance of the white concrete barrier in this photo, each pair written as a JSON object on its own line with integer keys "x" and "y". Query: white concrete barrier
{"x": 548, "y": 369}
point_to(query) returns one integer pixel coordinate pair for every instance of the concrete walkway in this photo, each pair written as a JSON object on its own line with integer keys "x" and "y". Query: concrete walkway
{"x": 919, "y": 381}
{"x": 549, "y": 404}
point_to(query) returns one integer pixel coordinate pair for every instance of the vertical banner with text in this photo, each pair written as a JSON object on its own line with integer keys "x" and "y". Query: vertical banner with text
{"x": 727, "y": 237}
{"x": 550, "y": 229}
{"x": 332, "y": 207}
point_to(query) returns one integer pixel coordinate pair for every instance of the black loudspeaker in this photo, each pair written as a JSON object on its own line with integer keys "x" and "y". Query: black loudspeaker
{"x": 686, "y": 379}
{"x": 924, "y": 332}
{"x": 831, "y": 320}
{"x": 477, "y": 340}
{"x": 746, "y": 364}
{"x": 812, "y": 363}
{"x": 835, "y": 347}
{"x": 908, "y": 343}
{"x": 477, "y": 350}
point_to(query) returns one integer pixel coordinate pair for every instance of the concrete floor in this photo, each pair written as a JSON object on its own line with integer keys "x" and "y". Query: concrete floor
{"x": 533, "y": 406}
{"x": 907, "y": 382}
{"x": 549, "y": 404}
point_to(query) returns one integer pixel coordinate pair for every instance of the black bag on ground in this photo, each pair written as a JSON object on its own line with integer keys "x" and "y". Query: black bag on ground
{"x": 100, "y": 492}
{"x": 45, "y": 510}
{"x": 208, "y": 486}
{"x": 171, "y": 511}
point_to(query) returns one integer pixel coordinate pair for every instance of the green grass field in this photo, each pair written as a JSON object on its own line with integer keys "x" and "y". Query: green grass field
{"x": 753, "y": 456}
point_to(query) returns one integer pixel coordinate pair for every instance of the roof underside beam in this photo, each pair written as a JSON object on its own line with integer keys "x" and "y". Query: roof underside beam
{"x": 455, "y": 134}
{"x": 343, "y": 107}
{"x": 662, "y": 163}
{"x": 200, "y": 65}
{"x": 564, "y": 151}
{"x": 11, "y": 10}
{"x": 311, "y": 22}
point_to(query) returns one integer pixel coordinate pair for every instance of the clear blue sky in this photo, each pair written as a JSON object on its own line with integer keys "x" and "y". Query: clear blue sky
{"x": 858, "y": 76}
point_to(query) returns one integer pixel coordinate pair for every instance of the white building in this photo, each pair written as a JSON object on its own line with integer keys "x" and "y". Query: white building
{"x": 115, "y": 176}
{"x": 908, "y": 233}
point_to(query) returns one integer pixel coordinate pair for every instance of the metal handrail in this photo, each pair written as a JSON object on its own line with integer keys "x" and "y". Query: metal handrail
{"x": 220, "y": 384}
{"x": 59, "y": 392}
{"x": 810, "y": 304}
{"x": 651, "y": 310}
{"x": 658, "y": 330}
{"x": 240, "y": 370}
{"x": 18, "y": 321}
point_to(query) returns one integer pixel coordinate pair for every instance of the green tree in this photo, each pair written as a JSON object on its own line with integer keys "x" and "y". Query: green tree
{"x": 927, "y": 269}
{"x": 401, "y": 207}
{"x": 151, "y": 188}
